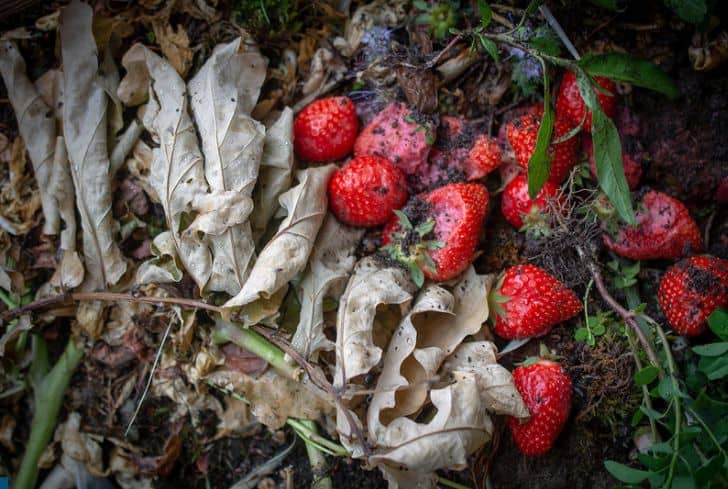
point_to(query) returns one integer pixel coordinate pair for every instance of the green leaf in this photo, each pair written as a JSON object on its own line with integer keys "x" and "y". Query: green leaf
{"x": 403, "y": 220}
{"x": 613, "y": 5}
{"x": 417, "y": 276}
{"x": 490, "y": 47}
{"x": 693, "y": 11}
{"x": 711, "y": 349}
{"x": 623, "y": 67}
{"x": 533, "y": 6}
{"x": 425, "y": 228}
{"x": 714, "y": 367}
{"x": 625, "y": 474}
{"x": 683, "y": 482}
{"x": 665, "y": 388}
{"x": 599, "y": 329}
{"x": 718, "y": 323}
{"x": 539, "y": 165}
{"x": 645, "y": 375}
{"x": 607, "y": 152}
{"x": 486, "y": 14}
{"x": 581, "y": 334}
{"x": 421, "y": 5}
{"x": 652, "y": 413}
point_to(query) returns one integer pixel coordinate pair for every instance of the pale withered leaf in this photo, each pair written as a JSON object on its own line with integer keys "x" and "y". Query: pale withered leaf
{"x": 84, "y": 123}
{"x": 222, "y": 95}
{"x": 332, "y": 260}
{"x": 408, "y": 453}
{"x": 438, "y": 322}
{"x": 287, "y": 252}
{"x": 276, "y": 171}
{"x": 177, "y": 172}
{"x": 36, "y": 124}
{"x": 61, "y": 187}
{"x": 370, "y": 310}
{"x": 134, "y": 87}
{"x": 163, "y": 267}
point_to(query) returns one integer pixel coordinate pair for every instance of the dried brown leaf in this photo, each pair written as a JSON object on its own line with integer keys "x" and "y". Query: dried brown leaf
{"x": 134, "y": 87}
{"x": 175, "y": 45}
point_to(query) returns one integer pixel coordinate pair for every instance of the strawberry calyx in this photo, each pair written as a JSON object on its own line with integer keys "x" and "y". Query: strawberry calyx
{"x": 536, "y": 223}
{"x": 410, "y": 246}
{"x": 496, "y": 299}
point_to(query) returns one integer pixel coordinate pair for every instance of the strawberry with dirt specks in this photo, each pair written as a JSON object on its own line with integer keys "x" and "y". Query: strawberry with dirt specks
{"x": 366, "y": 191}
{"x": 402, "y": 135}
{"x": 571, "y": 106}
{"x": 522, "y": 134}
{"x": 527, "y": 301}
{"x": 546, "y": 390}
{"x": 691, "y": 290}
{"x": 326, "y": 129}
{"x": 436, "y": 235}
{"x": 519, "y": 209}
{"x": 664, "y": 229}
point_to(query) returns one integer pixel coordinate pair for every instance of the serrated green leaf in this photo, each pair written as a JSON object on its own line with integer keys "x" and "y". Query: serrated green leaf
{"x": 607, "y": 152}
{"x": 625, "y": 474}
{"x": 623, "y": 67}
{"x": 539, "y": 165}
{"x": 693, "y": 11}
{"x": 486, "y": 14}
{"x": 718, "y": 323}
{"x": 646, "y": 375}
{"x": 711, "y": 349}
{"x": 490, "y": 47}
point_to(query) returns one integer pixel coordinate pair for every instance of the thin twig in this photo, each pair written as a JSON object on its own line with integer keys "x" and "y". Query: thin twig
{"x": 69, "y": 297}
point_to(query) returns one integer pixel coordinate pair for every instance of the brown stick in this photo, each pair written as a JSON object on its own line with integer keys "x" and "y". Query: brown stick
{"x": 69, "y": 297}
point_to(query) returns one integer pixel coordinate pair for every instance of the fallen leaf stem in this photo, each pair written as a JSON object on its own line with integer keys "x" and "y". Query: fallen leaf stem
{"x": 307, "y": 430}
{"x": 257, "y": 344}
{"x": 449, "y": 483}
{"x": 47, "y": 400}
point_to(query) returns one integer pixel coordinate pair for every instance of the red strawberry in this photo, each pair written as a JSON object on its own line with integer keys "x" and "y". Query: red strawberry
{"x": 522, "y": 134}
{"x": 366, "y": 191}
{"x": 483, "y": 157}
{"x": 664, "y": 230}
{"x": 516, "y": 205}
{"x": 527, "y": 301}
{"x": 546, "y": 391}
{"x": 472, "y": 161}
{"x": 570, "y": 105}
{"x": 400, "y": 134}
{"x": 630, "y": 156}
{"x": 438, "y": 232}
{"x": 326, "y": 129}
{"x": 691, "y": 290}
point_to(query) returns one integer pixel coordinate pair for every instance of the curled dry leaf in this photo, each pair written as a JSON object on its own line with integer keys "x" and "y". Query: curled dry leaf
{"x": 19, "y": 196}
{"x": 438, "y": 322}
{"x": 288, "y": 250}
{"x": 84, "y": 122}
{"x": 134, "y": 87}
{"x": 83, "y": 447}
{"x": 273, "y": 398}
{"x": 332, "y": 260}
{"x": 370, "y": 309}
{"x": 35, "y": 123}
{"x": 175, "y": 45}
{"x": 163, "y": 267}
{"x": 276, "y": 171}
{"x": 177, "y": 171}
{"x": 223, "y": 93}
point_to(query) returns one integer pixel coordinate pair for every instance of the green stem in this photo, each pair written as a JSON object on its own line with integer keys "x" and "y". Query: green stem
{"x": 253, "y": 342}
{"x": 645, "y": 391}
{"x": 449, "y": 483}
{"x": 672, "y": 371}
{"x": 48, "y": 398}
{"x": 309, "y": 435}
{"x": 316, "y": 458}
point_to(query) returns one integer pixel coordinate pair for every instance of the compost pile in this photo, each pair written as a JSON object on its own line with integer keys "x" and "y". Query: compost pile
{"x": 269, "y": 244}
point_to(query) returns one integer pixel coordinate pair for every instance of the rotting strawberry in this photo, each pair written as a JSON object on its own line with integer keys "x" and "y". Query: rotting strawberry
{"x": 664, "y": 229}
{"x": 326, "y": 129}
{"x": 366, "y": 190}
{"x": 631, "y": 154}
{"x": 546, "y": 390}
{"x": 522, "y": 133}
{"x": 436, "y": 234}
{"x": 459, "y": 155}
{"x": 527, "y": 301}
{"x": 570, "y": 105}
{"x": 522, "y": 211}
{"x": 691, "y": 290}
{"x": 403, "y": 135}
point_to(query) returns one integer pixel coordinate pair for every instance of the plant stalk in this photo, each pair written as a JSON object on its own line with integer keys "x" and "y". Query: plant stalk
{"x": 319, "y": 467}
{"x": 47, "y": 398}
{"x": 255, "y": 343}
